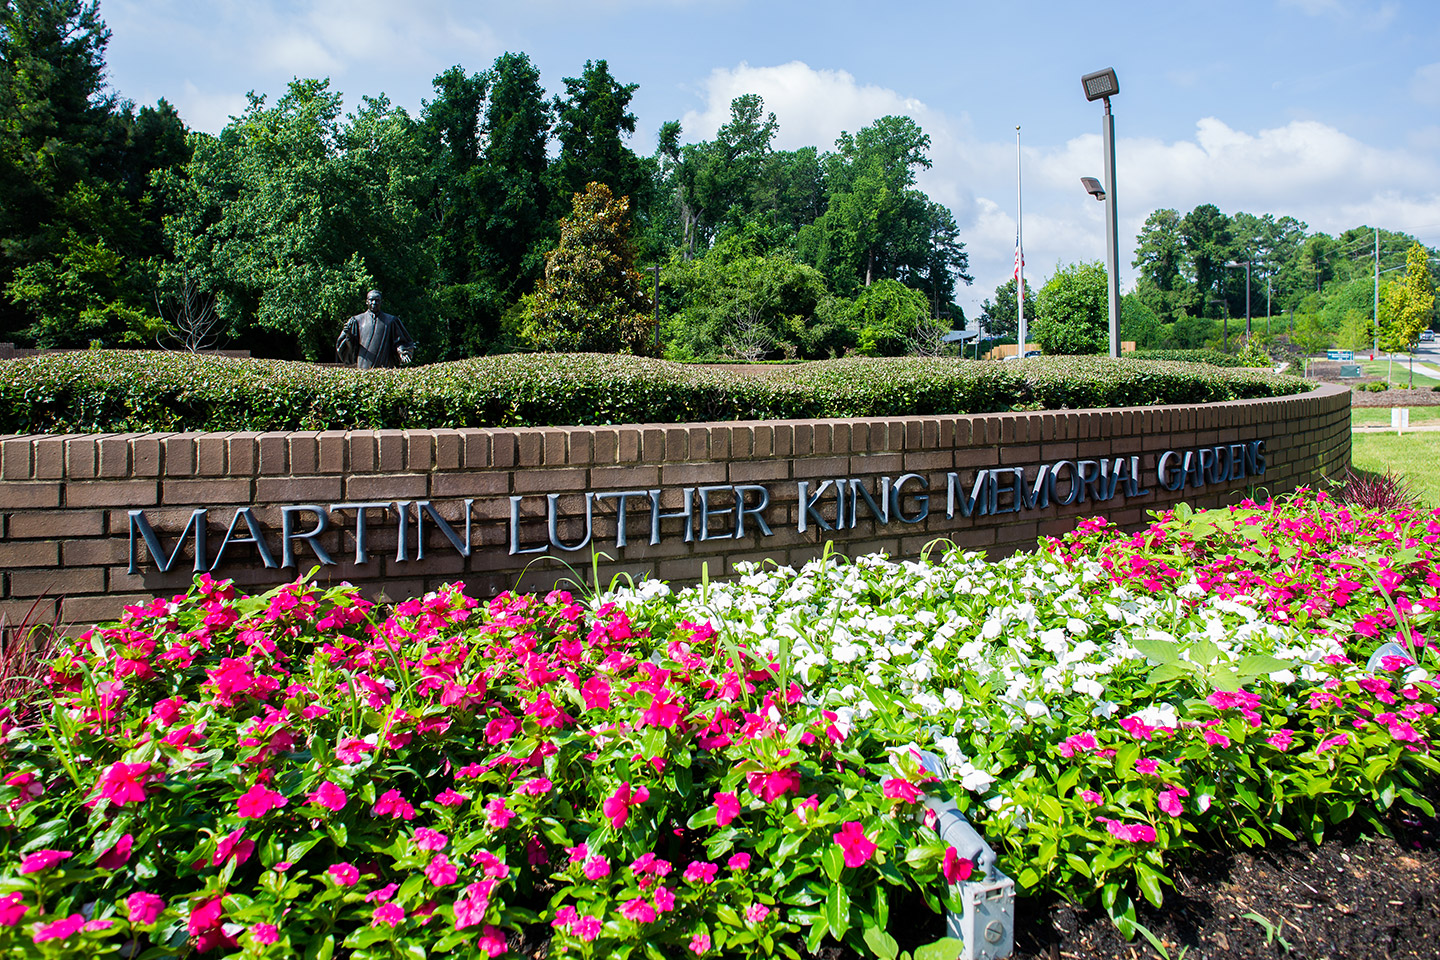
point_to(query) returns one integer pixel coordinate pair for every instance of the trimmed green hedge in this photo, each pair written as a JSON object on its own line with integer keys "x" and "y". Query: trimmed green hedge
{"x": 122, "y": 391}
{"x": 1213, "y": 357}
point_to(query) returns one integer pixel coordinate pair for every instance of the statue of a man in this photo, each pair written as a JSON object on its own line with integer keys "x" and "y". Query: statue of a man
{"x": 374, "y": 339}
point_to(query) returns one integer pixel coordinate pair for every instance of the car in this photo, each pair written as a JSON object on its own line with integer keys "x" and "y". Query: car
{"x": 1427, "y": 336}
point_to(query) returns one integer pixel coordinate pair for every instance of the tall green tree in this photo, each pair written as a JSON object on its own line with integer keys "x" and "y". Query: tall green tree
{"x": 593, "y": 120}
{"x": 592, "y": 297}
{"x": 1001, "y": 316}
{"x": 1160, "y": 260}
{"x": 292, "y": 212}
{"x": 1408, "y": 306}
{"x": 77, "y": 219}
{"x": 1074, "y": 308}
{"x": 1209, "y": 245}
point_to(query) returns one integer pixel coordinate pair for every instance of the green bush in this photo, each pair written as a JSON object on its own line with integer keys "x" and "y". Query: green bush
{"x": 119, "y": 391}
{"x": 1375, "y": 386}
{"x": 1212, "y": 357}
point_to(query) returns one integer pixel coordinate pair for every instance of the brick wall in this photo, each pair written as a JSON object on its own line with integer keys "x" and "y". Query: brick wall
{"x": 65, "y": 501}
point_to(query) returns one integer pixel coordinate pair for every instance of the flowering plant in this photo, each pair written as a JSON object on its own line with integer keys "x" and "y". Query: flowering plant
{"x": 731, "y": 769}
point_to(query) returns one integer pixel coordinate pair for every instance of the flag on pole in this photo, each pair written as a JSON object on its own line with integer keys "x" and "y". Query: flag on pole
{"x": 1019, "y": 258}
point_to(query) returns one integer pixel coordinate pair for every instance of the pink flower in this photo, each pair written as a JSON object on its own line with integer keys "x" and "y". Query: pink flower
{"x": 896, "y": 789}
{"x": 638, "y": 910}
{"x": 740, "y": 862}
{"x": 118, "y": 855}
{"x": 1339, "y": 740}
{"x": 492, "y": 941}
{"x": 29, "y": 786}
{"x": 123, "y": 783}
{"x": 806, "y": 807}
{"x": 1216, "y": 739}
{"x": 1129, "y": 832}
{"x": 596, "y": 867}
{"x": 956, "y": 868}
{"x": 587, "y": 928}
{"x": 1169, "y": 800}
{"x": 497, "y": 814}
{"x": 43, "y": 860}
{"x": 344, "y": 874}
{"x": 1281, "y": 739}
{"x": 440, "y": 871}
{"x": 449, "y": 798}
{"x": 470, "y": 909}
{"x": 756, "y": 912}
{"x": 536, "y": 787}
{"x": 771, "y": 786}
{"x": 1137, "y": 728}
{"x": 1079, "y": 743}
{"x": 700, "y": 943}
{"x": 60, "y": 929}
{"x": 352, "y": 749}
{"x": 727, "y": 808}
{"x": 382, "y": 894}
{"x": 259, "y": 800}
{"x": 858, "y": 848}
{"x": 596, "y": 693}
{"x": 664, "y": 899}
{"x": 233, "y": 846}
{"x": 616, "y": 807}
{"x": 427, "y": 839}
{"x": 578, "y": 854}
{"x": 388, "y": 914}
{"x": 265, "y": 933}
{"x": 1147, "y": 766}
{"x": 11, "y": 909}
{"x": 329, "y": 796}
{"x": 393, "y": 805}
{"x": 206, "y": 925}
{"x": 701, "y": 871}
{"x": 1091, "y": 797}
{"x": 144, "y": 907}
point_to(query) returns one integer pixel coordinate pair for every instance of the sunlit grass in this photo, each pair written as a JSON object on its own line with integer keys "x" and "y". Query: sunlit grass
{"x": 1410, "y": 455}
{"x": 1364, "y": 416}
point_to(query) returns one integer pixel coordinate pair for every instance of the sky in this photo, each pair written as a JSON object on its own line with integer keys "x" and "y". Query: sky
{"x": 1325, "y": 110}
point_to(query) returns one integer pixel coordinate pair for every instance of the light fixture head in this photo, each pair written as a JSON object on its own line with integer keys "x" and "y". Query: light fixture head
{"x": 1093, "y": 187}
{"x": 1101, "y": 84}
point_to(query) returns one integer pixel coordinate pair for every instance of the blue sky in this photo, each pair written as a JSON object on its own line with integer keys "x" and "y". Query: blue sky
{"x": 1327, "y": 110}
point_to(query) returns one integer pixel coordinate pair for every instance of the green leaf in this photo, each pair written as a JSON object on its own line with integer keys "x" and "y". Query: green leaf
{"x": 837, "y": 910}
{"x": 1149, "y": 882}
{"x": 882, "y": 943}
{"x": 833, "y": 860}
{"x": 1157, "y": 651}
{"x": 946, "y": 948}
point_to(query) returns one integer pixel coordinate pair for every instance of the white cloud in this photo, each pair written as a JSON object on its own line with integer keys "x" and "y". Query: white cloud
{"x": 343, "y": 36}
{"x": 1306, "y": 169}
{"x": 202, "y": 110}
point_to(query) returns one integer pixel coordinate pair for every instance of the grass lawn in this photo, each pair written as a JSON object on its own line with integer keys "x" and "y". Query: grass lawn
{"x": 1411, "y": 455}
{"x": 1398, "y": 372}
{"x": 1381, "y": 415}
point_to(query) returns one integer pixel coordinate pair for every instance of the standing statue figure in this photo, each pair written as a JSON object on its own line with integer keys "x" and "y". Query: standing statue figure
{"x": 374, "y": 339}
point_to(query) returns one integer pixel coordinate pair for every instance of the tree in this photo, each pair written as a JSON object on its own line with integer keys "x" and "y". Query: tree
{"x": 593, "y": 120}
{"x": 1001, "y": 317}
{"x": 592, "y": 297}
{"x": 291, "y": 214}
{"x": 1160, "y": 257}
{"x": 1138, "y": 323}
{"x": 1074, "y": 311}
{"x": 1209, "y": 245}
{"x": 1409, "y": 304}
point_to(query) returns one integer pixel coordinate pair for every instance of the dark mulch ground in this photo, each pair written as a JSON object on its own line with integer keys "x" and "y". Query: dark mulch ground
{"x": 1357, "y": 897}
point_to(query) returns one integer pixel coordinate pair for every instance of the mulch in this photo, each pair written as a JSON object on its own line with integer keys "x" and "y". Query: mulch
{"x": 1353, "y": 896}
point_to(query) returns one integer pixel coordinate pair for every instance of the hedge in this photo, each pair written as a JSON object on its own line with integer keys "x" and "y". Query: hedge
{"x": 1213, "y": 357}
{"x": 123, "y": 391}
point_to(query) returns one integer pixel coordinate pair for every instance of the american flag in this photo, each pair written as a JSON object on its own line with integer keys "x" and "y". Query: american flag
{"x": 1019, "y": 258}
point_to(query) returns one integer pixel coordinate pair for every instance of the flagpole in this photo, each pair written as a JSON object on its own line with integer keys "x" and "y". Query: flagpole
{"x": 1019, "y": 248}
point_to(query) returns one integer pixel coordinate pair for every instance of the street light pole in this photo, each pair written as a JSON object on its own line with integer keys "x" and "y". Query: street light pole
{"x": 1103, "y": 84}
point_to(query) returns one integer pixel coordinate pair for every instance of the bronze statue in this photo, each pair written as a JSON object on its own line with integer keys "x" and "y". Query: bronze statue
{"x": 374, "y": 339}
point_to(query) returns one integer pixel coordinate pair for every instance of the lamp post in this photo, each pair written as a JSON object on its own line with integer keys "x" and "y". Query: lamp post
{"x": 1236, "y": 264}
{"x": 1102, "y": 85}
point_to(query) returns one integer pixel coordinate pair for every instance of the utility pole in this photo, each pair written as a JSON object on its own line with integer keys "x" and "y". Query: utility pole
{"x": 1377, "y": 291}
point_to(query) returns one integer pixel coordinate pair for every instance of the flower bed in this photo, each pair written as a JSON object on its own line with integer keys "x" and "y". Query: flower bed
{"x": 730, "y": 769}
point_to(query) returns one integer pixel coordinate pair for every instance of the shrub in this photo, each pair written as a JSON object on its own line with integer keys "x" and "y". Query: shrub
{"x": 110, "y": 391}
{"x": 1212, "y": 357}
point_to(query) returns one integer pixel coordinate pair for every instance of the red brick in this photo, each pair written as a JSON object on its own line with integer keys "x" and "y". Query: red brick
{"x": 179, "y": 455}
{"x": 364, "y": 452}
{"x": 331, "y": 445}
{"x": 692, "y": 474}
{"x": 391, "y": 444}
{"x": 676, "y": 443}
{"x": 627, "y": 449}
{"x": 29, "y": 495}
{"x": 504, "y": 448}
{"x": 448, "y": 450}
{"x": 56, "y": 523}
{"x": 758, "y": 471}
{"x": 297, "y": 489}
{"x": 304, "y": 453}
{"x": 273, "y": 449}
{"x": 94, "y": 553}
{"x": 202, "y": 492}
{"x": 29, "y": 553}
{"x": 419, "y": 450}
{"x": 530, "y": 448}
{"x": 389, "y": 486}
{"x": 37, "y": 583}
{"x": 107, "y": 607}
{"x": 624, "y": 478}
{"x": 552, "y": 445}
{"x": 81, "y": 457}
{"x": 50, "y": 458}
{"x": 210, "y": 455}
{"x": 470, "y": 484}
{"x": 242, "y": 454}
{"x": 112, "y": 493}
{"x": 549, "y": 481}
{"x": 17, "y": 458}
